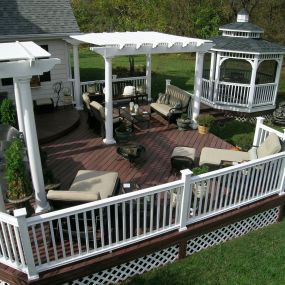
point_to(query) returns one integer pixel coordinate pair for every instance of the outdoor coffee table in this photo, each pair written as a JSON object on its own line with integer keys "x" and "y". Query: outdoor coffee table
{"x": 135, "y": 118}
{"x": 131, "y": 152}
{"x": 129, "y": 187}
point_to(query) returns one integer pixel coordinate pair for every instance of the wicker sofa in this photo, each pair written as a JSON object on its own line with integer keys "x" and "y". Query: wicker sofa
{"x": 171, "y": 103}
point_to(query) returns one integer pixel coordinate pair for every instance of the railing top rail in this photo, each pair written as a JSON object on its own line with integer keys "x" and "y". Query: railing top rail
{"x": 8, "y": 219}
{"x": 237, "y": 167}
{"x": 232, "y": 83}
{"x": 103, "y": 203}
{"x": 114, "y": 80}
{"x": 265, "y": 84}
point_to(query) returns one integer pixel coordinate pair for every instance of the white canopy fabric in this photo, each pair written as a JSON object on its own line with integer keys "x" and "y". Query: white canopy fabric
{"x": 120, "y": 43}
{"x": 21, "y": 51}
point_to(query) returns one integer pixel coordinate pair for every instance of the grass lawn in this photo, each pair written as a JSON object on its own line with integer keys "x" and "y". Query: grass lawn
{"x": 256, "y": 258}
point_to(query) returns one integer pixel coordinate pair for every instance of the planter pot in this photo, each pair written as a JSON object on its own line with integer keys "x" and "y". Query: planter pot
{"x": 203, "y": 130}
{"x": 22, "y": 203}
{"x": 123, "y": 136}
{"x": 183, "y": 125}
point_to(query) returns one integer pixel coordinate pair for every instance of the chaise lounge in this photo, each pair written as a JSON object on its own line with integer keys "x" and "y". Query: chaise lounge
{"x": 215, "y": 158}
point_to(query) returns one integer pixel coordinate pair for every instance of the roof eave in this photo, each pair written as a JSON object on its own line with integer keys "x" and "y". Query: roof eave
{"x": 5, "y": 38}
{"x": 242, "y": 30}
{"x": 246, "y": 52}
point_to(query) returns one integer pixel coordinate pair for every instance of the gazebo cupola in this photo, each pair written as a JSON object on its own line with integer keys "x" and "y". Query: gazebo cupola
{"x": 241, "y": 72}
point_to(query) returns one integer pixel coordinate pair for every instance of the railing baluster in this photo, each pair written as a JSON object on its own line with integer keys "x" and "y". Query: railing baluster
{"x": 131, "y": 218}
{"x": 144, "y": 214}
{"x": 7, "y": 245}
{"x": 86, "y": 232}
{"x": 69, "y": 230}
{"x": 19, "y": 245}
{"x": 12, "y": 240}
{"x": 35, "y": 239}
{"x": 158, "y": 211}
{"x": 164, "y": 209}
{"x": 101, "y": 227}
{"x": 138, "y": 216}
{"x": 151, "y": 212}
{"x": 117, "y": 223}
{"x": 53, "y": 240}
{"x": 124, "y": 220}
{"x": 61, "y": 238}
{"x": 109, "y": 225}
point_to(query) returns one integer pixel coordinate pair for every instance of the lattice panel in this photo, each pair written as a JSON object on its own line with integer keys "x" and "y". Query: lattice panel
{"x": 126, "y": 270}
{"x": 232, "y": 231}
{"x": 250, "y": 118}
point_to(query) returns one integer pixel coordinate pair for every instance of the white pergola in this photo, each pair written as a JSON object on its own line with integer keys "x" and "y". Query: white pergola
{"x": 22, "y": 60}
{"x": 110, "y": 45}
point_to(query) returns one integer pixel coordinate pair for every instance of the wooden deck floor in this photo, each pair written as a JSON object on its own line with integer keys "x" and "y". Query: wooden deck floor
{"x": 83, "y": 149}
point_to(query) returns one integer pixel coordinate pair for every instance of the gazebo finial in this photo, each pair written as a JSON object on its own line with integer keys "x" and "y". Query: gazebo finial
{"x": 242, "y": 16}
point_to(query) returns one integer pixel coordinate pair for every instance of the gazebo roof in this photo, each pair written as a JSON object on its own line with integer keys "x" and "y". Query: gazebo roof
{"x": 21, "y": 51}
{"x": 242, "y": 27}
{"x": 246, "y": 45}
{"x": 131, "y": 43}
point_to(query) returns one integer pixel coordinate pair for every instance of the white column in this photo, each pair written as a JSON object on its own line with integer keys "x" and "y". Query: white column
{"x": 259, "y": 122}
{"x": 187, "y": 193}
{"x": 148, "y": 76}
{"x": 212, "y": 75}
{"x": 277, "y": 78}
{"x": 77, "y": 90}
{"x": 197, "y": 87}
{"x": 18, "y": 106}
{"x": 217, "y": 77}
{"x": 252, "y": 82}
{"x": 108, "y": 102}
{"x": 31, "y": 139}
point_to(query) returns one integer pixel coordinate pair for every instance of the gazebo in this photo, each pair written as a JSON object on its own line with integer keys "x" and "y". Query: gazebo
{"x": 110, "y": 45}
{"x": 22, "y": 60}
{"x": 241, "y": 72}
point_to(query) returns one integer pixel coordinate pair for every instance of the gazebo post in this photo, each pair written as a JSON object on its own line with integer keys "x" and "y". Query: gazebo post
{"x": 198, "y": 87}
{"x": 108, "y": 102}
{"x": 77, "y": 89}
{"x": 212, "y": 73}
{"x": 252, "y": 82}
{"x": 18, "y": 108}
{"x": 277, "y": 77}
{"x": 217, "y": 77}
{"x": 30, "y": 135}
{"x": 148, "y": 76}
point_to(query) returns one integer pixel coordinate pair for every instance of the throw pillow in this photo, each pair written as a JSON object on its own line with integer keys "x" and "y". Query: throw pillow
{"x": 140, "y": 89}
{"x": 252, "y": 153}
{"x": 129, "y": 91}
{"x": 161, "y": 98}
{"x": 91, "y": 89}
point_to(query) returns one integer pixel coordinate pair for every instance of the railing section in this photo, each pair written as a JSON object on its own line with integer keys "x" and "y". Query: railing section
{"x": 229, "y": 188}
{"x": 206, "y": 90}
{"x": 78, "y": 232}
{"x": 11, "y": 249}
{"x": 118, "y": 84}
{"x": 264, "y": 94}
{"x": 233, "y": 94}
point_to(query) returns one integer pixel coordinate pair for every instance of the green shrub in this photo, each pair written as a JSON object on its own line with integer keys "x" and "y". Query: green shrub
{"x": 205, "y": 120}
{"x": 16, "y": 173}
{"x": 244, "y": 141}
{"x": 8, "y": 113}
{"x": 200, "y": 170}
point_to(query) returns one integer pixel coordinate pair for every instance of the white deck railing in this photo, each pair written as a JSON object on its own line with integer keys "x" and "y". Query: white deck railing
{"x": 237, "y": 94}
{"x": 50, "y": 240}
{"x": 118, "y": 84}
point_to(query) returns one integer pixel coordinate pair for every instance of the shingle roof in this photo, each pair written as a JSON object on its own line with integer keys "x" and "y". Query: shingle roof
{"x": 242, "y": 26}
{"x": 246, "y": 45}
{"x": 26, "y": 17}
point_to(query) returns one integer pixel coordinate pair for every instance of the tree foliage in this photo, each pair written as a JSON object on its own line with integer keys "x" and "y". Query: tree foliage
{"x": 194, "y": 18}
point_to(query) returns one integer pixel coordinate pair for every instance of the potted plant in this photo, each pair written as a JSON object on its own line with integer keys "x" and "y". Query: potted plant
{"x": 8, "y": 113}
{"x": 123, "y": 132}
{"x": 205, "y": 121}
{"x": 19, "y": 187}
{"x": 183, "y": 123}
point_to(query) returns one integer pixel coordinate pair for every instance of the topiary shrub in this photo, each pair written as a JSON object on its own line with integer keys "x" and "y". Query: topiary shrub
{"x": 243, "y": 141}
{"x": 8, "y": 113}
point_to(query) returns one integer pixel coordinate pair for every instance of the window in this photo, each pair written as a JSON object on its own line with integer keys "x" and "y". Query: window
{"x": 266, "y": 72}
{"x": 7, "y": 81}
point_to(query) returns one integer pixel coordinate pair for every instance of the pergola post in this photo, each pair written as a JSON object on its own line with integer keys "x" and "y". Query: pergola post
{"x": 18, "y": 108}
{"x": 252, "y": 82}
{"x": 77, "y": 90}
{"x": 30, "y": 135}
{"x": 212, "y": 74}
{"x": 198, "y": 87}
{"x": 108, "y": 102}
{"x": 148, "y": 76}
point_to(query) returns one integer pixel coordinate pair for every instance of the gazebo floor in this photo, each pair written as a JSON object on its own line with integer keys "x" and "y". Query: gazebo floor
{"x": 83, "y": 149}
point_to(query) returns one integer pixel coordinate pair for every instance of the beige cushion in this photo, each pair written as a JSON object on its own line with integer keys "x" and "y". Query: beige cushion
{"x": 141, "y": 89}
{"x": 271, "y": 145}
{"x": 252, "y": 153}
{"x": 87, "y": 186}
{"x": 43, "y": 101}
{"x": 161, "y": 108}
{"x": 129, "y": 91}
{"x": 86, "y": 100}
{"x": 215, "y": 156}
{"x": 184, "y": 151}
{"x": 98, "y": 107}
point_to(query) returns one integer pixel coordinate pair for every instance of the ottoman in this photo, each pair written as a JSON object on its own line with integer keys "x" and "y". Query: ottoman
{"x": 182, "y": 157}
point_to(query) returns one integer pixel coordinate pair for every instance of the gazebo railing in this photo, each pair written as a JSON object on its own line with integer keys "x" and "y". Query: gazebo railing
{"x": 264, "y": 94}
{"x": 118, "y": 84}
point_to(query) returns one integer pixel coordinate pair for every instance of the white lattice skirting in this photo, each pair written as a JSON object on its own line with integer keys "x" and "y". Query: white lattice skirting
{"x": 143, "y": 264}
{"x": 232, "y": 231}
{"x": 169, "y": 255}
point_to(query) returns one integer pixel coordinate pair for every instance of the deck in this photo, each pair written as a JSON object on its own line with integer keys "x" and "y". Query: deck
{"x": 84, "y": 149}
